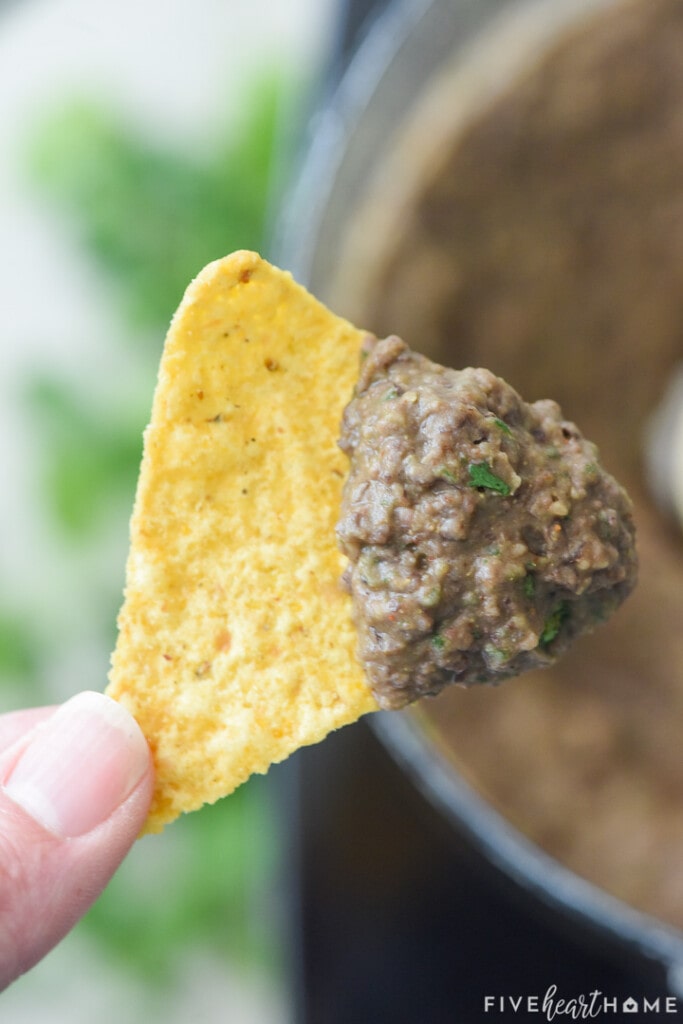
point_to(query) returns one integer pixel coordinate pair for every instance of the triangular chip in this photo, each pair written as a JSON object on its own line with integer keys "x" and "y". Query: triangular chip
{"x": 236, "y": 643}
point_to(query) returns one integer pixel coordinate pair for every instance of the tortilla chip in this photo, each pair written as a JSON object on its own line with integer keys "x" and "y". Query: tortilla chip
{"x": 236, "y": 644}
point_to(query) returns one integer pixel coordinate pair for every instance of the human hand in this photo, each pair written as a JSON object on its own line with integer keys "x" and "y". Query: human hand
{"x": 75, "y": 788}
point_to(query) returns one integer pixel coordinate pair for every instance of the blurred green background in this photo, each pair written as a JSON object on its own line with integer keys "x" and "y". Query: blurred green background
{"x": 189, "y": 927}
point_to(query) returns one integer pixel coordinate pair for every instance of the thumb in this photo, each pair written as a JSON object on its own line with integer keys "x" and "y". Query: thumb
{"x": 74, "y": 793}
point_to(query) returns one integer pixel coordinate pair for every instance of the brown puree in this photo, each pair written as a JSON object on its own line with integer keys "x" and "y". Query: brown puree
{"x": 547, "y": 245}
{"x": 482, "y": 533}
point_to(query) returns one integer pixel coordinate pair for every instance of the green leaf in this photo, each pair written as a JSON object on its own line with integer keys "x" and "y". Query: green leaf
{"x": 553, "y": 624}
{"x": 205, "y": 890}
{"x": 88, "y": 457}
{"x": 152, "y": 215}
{"x": 502, "y": 425}
{"x": 481, "y": 475}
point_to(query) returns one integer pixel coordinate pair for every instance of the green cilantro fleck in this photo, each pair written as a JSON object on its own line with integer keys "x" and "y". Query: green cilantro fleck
{"x": 391, "y": 393}
{"x": 446, "y": 473}
{"x": 503, "y": 425}
{"x": 438, "y": 642}
{"x": 481, "y": 475}
{"x": 529, "y": 585}
{"x": 553, "y": 624}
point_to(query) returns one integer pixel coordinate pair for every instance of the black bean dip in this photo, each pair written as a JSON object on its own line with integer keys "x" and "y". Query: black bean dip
{"x": 481, "y": 531}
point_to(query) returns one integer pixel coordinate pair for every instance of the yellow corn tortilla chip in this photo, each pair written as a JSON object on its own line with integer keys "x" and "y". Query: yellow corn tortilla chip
{"x": 236, "y": 644}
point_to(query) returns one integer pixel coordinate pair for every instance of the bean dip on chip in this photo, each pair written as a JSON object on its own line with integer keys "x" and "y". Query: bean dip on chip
{"x": 481, "y": 533}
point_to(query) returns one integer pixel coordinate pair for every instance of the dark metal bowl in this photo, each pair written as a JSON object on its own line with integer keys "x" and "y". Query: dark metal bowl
{"x": 404, "y": 50}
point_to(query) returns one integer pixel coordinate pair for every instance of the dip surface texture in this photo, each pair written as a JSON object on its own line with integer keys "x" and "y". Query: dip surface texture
{"x": 482, "y": 533}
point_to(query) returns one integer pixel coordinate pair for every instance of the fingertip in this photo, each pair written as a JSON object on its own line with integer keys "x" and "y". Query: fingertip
{"x": 76, "y": 797}
{"x": 79, "y": 765}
